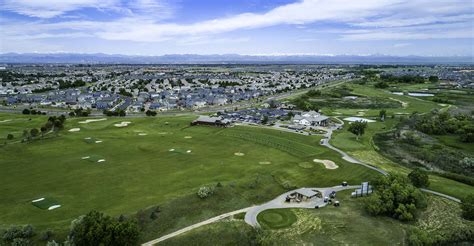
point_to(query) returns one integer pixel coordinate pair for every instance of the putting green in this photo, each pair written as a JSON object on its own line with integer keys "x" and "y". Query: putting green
{"x": 276, "y": 218}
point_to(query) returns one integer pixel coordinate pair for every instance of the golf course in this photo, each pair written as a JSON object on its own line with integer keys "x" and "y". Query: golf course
{"x": 120, "y": 168}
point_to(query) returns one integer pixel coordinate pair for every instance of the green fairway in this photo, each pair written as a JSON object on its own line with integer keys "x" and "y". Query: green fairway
{"x": 276, "y": 218}
{"x": 140, "y": 170}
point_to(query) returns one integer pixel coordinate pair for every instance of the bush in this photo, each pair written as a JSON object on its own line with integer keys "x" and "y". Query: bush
{"x": 46, "y": 235}
{"x": 467, "y": 207}
{"x": 10, "y": 136}
{"x": 419, "y": 178}
{"x": 17, "y": 232}
{"x": 205, "y": 192}
{"x": 21, "y": 242}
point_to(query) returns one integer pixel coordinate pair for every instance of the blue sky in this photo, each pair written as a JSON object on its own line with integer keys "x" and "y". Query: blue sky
{"x": 263, "y": 27}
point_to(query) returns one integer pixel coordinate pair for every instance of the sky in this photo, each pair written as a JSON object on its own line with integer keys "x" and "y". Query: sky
{"x": 247, "y": 27}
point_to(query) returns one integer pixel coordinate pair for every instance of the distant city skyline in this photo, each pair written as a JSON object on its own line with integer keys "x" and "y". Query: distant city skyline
{"x": 247, "y": 27}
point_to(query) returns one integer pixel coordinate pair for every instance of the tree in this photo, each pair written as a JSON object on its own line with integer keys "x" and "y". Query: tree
{"x": 265, "y": 119}
{"x": 357, "y": 128}
{"x": 419, "y": 178}
{"x": 382, "y": 114}
{"x": 433, "y": 79}
{"x": 10, "y": 136}
{"x": 26, "y": 111}
{"x": 394, "y": 196}
{"x": 467, "y": 207}
{"x": 34, "y": 132}
{"x": 95, "y": 228}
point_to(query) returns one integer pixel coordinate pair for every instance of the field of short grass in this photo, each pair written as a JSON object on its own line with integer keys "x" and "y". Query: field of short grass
{"x": 141, "y": 171}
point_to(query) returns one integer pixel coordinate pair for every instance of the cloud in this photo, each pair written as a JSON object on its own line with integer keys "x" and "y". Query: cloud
{"x": 52, "y": 8}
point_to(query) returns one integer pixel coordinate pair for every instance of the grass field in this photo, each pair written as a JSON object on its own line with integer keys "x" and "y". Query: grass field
{"x": 140, "y": 170}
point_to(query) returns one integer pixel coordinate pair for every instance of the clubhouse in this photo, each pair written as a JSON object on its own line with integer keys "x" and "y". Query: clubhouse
{"x": 211, "y": 121}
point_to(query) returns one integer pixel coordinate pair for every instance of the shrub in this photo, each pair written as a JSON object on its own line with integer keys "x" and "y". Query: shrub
{"x": 205, "y": 192}
{"x": 419, "y": 178}
{"x": 467, "y": 207}
{"x": 10, "y": 136}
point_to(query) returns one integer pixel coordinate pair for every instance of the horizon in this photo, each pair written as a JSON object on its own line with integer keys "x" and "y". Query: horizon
{"x": 248, "y": 28}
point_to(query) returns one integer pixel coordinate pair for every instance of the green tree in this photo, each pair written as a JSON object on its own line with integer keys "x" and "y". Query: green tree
{"x": 265, "y": 119}
{"x": 357, "y": 128}
{"x": 433, "y": 79}
{"x": 26, "y": 111}
{"x": 10, "y": 136}
{"x": 419, "y": 178}
{"x": 95, "y": 228}
{"x": 467, "y": 207}
{"x": 34, "y": 132}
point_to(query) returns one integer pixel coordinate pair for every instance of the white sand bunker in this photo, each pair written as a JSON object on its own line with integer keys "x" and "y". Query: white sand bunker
{"x": 239, "y": 154}
{"x": 163, "y": 133}
{"x": 54, "y": 207}
{"x": 327, "y": 163}
{"x": 189, "y": 151}
{"x": 85, "y": 157}
{"x": 91, "y": 120}
{"x": 98, "y": 141}
{"x": 352, "y": 119}
{"x": 264, "y": 162}
{"x": 38, "y": 200}
{"x": 123, "y": 124}
{"x": 142, "y": 134}
{"x": 74, "y": 129}
{"x": 360, "y": 113}
{"x": 101, "y": 160}
{"x": 3, "y": 121}
{"x": 188, "y": 137}
{"x": 171, "y": 150}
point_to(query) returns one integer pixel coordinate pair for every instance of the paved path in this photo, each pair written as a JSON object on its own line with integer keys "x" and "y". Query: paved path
{"x": 191, "y": 227}
{"x": 279, "y": 202}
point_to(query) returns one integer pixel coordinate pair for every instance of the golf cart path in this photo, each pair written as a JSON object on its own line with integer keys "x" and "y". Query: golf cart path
{"x": 347, "y": 157}
{"x": 194, "y": 226}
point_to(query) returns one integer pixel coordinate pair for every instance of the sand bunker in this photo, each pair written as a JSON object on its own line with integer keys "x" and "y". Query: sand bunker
{"x": 239, "y": 154}
{"x": 98, "y": 141}
{"x": 171, "y": 150}
{"x": 189, "y": 151}
{"x": 264, "y": 163}
{"x": 352, "y": 119}
{"x": 188, "y": 137}
{"x": 101, "y": 160}
{"x": 74, "y": 129}
{"x": 3, "y": 121}
{"x": 54, "y": 207}
{"x": 327, "y": 163}
{"x": 142, "y": 134}
{"x": 38, "y": 200}
{"x": 123, "y": 124}
{"x": 360, "y": 113}
{"x": 91, "y": 120}
{"x": 85, "y": 157}
{"x": 164, "y": 133}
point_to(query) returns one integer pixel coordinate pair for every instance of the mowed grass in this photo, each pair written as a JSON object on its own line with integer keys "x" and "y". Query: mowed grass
{"x": 276, "y": 218}
{"x": 140, "y": 171}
